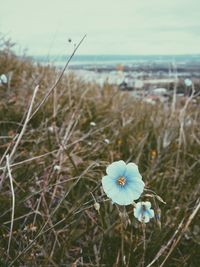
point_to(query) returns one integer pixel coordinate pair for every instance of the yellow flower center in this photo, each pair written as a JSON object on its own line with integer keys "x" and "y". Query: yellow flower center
{"x": 121, "y": 180}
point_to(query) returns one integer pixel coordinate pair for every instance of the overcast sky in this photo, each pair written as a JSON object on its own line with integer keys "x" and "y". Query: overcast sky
{"x": 112, "y": 26}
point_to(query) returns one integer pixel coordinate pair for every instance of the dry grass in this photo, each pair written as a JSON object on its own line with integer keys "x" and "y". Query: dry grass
{"x": 57, "y": 167}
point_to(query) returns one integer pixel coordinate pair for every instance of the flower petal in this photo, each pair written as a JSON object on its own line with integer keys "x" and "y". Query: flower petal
{"x": 116, "y": 169}
{"x": 121, "y": 196}
{"x": 146, "y": 219}
{"x": 147, "y": 204}
{"x": 137, "y": 187}
{"x": 143, "y": 218}
{"x": 137, "y": 183}
{"x": 139, "y": 205}
{"x": 108, "y": 183}
{"x": 137, "y": 211}
{"x": 151, "y": 213}
{"x": 132, "y": 171}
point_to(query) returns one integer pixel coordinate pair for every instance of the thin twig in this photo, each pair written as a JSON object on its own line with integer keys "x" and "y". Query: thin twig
{"x": 144, "y": 244}
{"x": 13, "y": 201}
{"x": 181, "y": 130}
{"x": 58, "y": 80}
{"x": 25, "y": 123}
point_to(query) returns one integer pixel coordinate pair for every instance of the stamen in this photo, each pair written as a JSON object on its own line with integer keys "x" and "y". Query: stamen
{"x": 121, "y": 180}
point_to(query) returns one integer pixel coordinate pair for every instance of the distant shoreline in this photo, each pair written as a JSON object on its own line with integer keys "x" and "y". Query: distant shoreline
{"x": 184, "y": 65}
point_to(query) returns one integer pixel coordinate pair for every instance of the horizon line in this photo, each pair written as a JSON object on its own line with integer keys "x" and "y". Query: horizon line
{"x": 174, "y": 54}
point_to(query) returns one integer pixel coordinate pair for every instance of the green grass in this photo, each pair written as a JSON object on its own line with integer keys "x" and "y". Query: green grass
{"x": 55, "y": 208}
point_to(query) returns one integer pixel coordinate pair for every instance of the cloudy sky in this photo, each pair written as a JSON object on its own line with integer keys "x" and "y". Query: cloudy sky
{"x": 112, "y": 26}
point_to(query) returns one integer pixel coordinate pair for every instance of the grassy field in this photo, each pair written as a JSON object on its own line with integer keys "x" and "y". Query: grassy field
{"x": 53, "y": 160}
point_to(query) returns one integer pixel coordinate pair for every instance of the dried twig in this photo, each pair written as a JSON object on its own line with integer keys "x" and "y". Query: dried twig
{"x": 25, "y": 123}
{"x": 58, "y": 80}
{"x": 13, "y": 201}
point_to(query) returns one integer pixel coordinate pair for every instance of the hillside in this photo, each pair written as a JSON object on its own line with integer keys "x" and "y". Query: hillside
{"x": 56, "y": 168}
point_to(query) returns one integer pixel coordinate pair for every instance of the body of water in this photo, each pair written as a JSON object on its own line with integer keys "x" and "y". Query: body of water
{"x": 114, "y": 60}
{"x": 116, "y": 69}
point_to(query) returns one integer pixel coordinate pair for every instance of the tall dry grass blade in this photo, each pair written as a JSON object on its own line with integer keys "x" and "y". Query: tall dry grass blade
{"x": 25, "y": 124}
{"x": 58, "y": 80}
{"x": 13, "y": 201}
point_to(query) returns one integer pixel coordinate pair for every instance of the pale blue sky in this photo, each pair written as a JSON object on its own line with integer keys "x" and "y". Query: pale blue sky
{"x": 112, "y": 26}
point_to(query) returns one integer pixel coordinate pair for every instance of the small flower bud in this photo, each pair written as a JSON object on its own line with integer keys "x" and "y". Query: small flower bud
{"x": 107, "y": 141}
{"x": 4, "y": 79}
{"x": 56, "y": 168}
{"x": 92, "y": 123}
{"x": 51, "y": 129}
{"x": 97, "y": 206}
{"x": 188, "y": 82}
